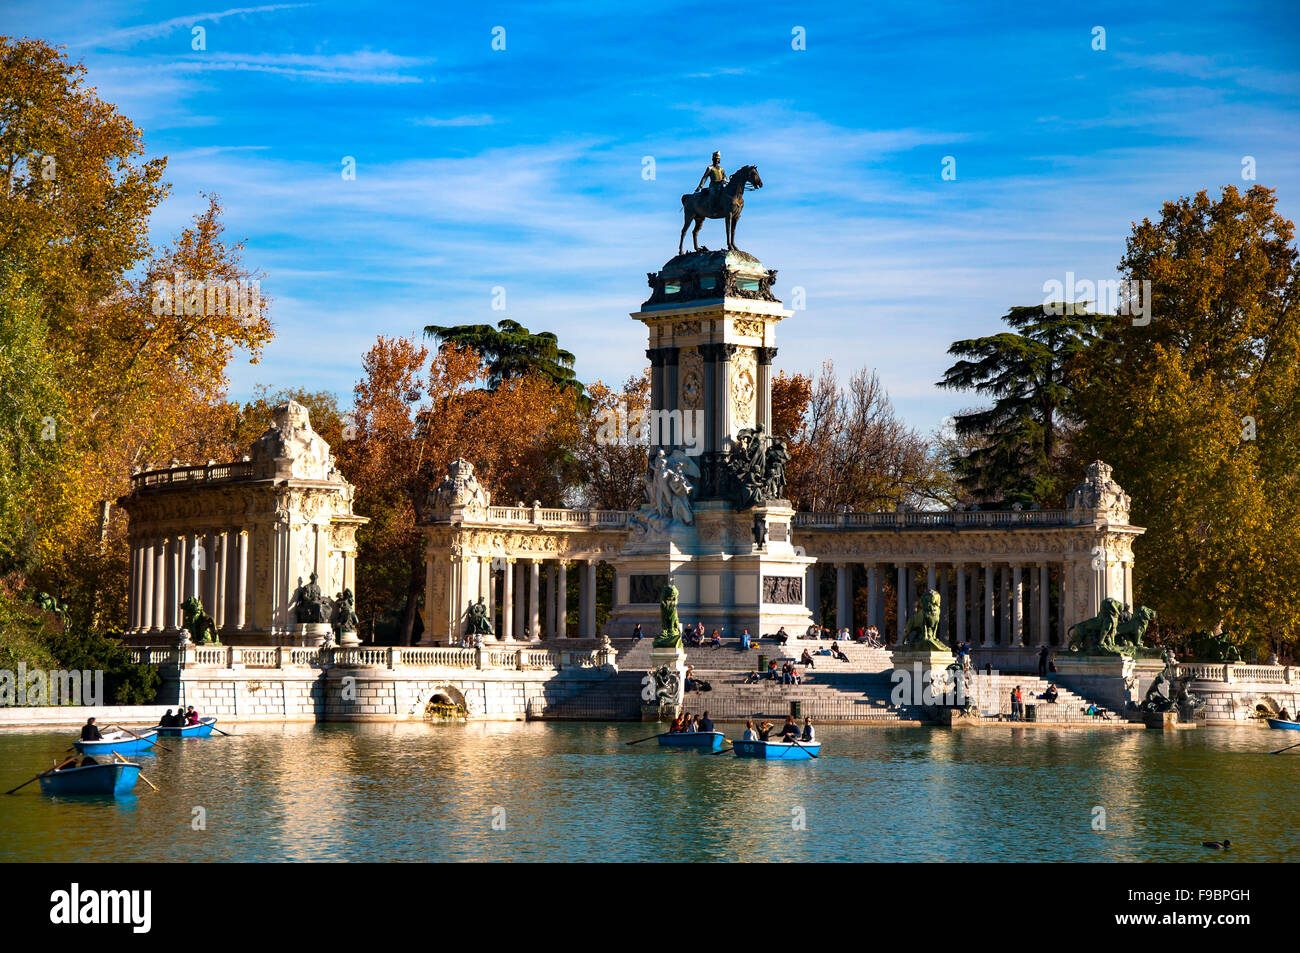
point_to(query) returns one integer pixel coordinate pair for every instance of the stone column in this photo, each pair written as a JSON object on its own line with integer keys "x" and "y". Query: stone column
{"x": 223, "y": 571}
{"x": 210, "y": 567}
{"x": 929, "y": 575}
{"x": 521, "y": 600}
{"x": 765, "y": 355}
{"x": 561, "y": 599}
{"x": 550, "y": 600}
{"x": 430, "y": 623}
{"x": 241, "y": 587}
{"x": 133, "y": 593}
{"x": 843, "y": 598}
{"x": 960, "y": 572}
{"x": 160, "y": 586}
{"x": 1017, "y": 606}
{"x": 534, "y": 593}
{"x": 589, "y": 630}
{"x": 1004, "y": 606}
{"x": 508, "y": 601}
{"x": 902, "y": 601}
{"x": 656, "y": 358}
{"x": 1062, "y": 620}
{"x": 988, "y": 605}
{"x": 873, "y": 594}
{"x": 1043, "y": 635}
{"x": 175, "y": 582}
{"x": 671, "y": 437}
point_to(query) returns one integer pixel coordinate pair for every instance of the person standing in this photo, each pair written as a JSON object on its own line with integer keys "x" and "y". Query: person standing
{"x": 1042, "y": 662}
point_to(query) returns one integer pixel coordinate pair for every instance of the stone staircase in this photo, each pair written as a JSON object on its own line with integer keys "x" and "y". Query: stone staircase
{"x": 831, "y": 690}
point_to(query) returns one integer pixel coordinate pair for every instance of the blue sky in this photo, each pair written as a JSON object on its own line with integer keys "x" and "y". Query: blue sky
{"x": 522, "y": 168}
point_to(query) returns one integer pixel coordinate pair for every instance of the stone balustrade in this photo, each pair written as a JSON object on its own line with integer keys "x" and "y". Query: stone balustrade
{"x": 943, "y": 519}
{"x": 1232, "y": 672}
{"x": 211, "y": 473}
{"x": 489, "y": 657}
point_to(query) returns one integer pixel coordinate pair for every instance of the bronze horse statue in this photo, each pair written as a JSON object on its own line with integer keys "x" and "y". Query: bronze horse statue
{"x": 731, "y": 202}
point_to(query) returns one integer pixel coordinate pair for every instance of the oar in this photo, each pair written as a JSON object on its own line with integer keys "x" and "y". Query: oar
{"x": 134, "y": 735}
{"x": 220, "y": 732}
{"x": 1287, "y": 748}
{"x": 42, "y": 774}
{"x": 639, "y": 740}
{"x": 809, "y": 750}
{"x": 725, "y": 740}
{"x": 142, "y": 777}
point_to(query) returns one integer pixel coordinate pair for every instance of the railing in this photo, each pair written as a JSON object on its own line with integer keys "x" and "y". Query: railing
{"x": 209, "y": 473}
{"x": 942, "y": 519}
{"x": 1236, "y": 672}
{"x": 374, "y": 656}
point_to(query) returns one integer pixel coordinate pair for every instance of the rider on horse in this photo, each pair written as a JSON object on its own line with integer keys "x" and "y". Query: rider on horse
{"x": 716, "y": 176}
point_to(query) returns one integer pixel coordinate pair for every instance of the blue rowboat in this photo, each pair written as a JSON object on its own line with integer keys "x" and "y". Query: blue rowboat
{"x": 202, "y": 730}
{"x": 803, "y": 751}
{"x": 1281, "y": 725}
{"x": 116, "y": 779}
{"x": 119, "y": 742}
{"x": 691, "y": 739}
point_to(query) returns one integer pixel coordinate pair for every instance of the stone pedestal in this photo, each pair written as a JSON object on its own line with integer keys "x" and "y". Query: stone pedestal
{"x": 1161, "y": 720}
{"x": 915, "y": 671}
{"x": 349, "y": 639}
{"x": 313, "y": 633}
{"x": 675, "y": 659}
{"x": 1111, "y": 680}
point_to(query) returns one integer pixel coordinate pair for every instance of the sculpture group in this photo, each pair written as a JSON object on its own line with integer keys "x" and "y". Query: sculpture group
{"x": 1112, "y": 631}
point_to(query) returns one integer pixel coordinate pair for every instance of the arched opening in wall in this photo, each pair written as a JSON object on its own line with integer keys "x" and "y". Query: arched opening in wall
{"x": 445, "y": 704}
{"x": 1267, "y": 708}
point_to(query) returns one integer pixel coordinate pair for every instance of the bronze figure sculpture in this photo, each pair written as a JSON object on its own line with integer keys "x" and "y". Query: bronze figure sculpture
{"x": 725, "y": 199}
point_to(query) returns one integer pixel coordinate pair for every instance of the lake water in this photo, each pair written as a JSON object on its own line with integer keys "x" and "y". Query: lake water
{"x": 542, "y": 791}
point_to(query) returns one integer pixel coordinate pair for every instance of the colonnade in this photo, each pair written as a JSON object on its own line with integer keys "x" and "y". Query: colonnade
{"x": 167, "y": 570}
{"x": 986, "y": 603}
{"x": 532, "y": 594}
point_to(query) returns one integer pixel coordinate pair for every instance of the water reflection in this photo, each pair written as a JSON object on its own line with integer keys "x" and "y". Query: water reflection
{"x": 578, "y": 792}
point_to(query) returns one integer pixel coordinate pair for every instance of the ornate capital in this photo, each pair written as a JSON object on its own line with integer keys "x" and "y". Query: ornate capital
{"x": 719, "y": 352}
{"x": 766, "y": 355}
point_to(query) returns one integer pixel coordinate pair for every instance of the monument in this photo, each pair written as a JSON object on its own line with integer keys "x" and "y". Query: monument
{"x": 714, "y": 525}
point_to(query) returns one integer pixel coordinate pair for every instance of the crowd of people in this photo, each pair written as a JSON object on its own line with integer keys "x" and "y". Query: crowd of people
{"x": 687, "y": 722}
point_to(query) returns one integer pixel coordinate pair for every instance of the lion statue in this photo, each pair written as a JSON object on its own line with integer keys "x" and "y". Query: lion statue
{"x": 1129, "y": 632}
{"x": 670, "y": 631}
{"x": 1096, "y": 636}
{"x": 923, "y": 628}
{"x": 197, "y": 623}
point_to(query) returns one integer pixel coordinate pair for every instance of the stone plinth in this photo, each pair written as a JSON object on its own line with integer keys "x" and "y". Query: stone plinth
{"x": 315, "y": 633}
{"x": 916, "y": 670}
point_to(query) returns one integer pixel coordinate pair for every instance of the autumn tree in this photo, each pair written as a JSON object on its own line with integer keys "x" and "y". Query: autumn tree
{"x": 612, "y": 445}
{"x": 851, "y": 448}
{"x": 1199, "y": 412}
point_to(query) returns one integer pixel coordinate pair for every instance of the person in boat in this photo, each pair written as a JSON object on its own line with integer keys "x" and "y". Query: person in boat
{"x": 750, "y": 734}
{"x": 166, "y": 721}
{"x": 676, "y": 726}
{"x": 705, "y": 723}
{"x": 790, "y": 730}
{"x": 764, "y": 731}
{"x": 191, "y": 716}
{"x": 90, "y": 731}
{"x": 87, "y": 761}
{"x": 808, "y": 733}
{"x": 1284, "y": 715}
